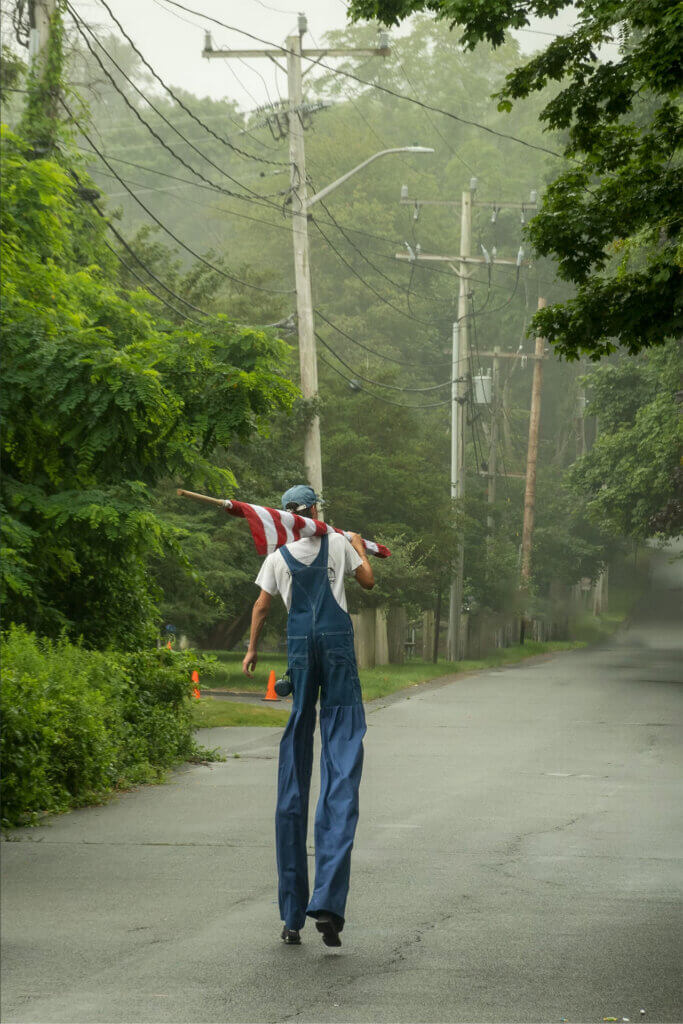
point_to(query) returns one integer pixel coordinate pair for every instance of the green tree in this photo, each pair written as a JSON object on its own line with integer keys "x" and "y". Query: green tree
{"x": 631, "y": 478}
{"x": 103, "y": 399}
{"x": 612, "y": 217}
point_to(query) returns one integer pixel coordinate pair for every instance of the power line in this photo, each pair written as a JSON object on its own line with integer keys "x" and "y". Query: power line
{"x": 374, "y": 352}
{"x": 377, "y": 383}
{"x": 426, "y": 267}
{"x": 135, "y": 256}
{"x": 438, "y": 132}
{"x": 373, "y": 85}
{"x": 350, "y": 99}
{"x": 243, "y": 130}
{"x": 144, "y": 283}
{"x": 160, "y": 140}
{"x": 382, "y": 298}
{"x": 182, "y": 104}
{"x": 207, "y": 263}
{"x": 381, "y": 398}
{"x": 363, "y": 256}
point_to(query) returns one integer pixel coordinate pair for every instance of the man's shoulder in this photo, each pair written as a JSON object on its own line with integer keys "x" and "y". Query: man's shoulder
{"x": 337, "y": 541}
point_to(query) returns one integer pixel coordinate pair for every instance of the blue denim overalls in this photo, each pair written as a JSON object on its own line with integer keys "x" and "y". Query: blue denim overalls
{"x": 320, "y": 657}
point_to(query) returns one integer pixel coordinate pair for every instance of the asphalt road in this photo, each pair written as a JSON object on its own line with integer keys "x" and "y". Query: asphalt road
{"x": 518, "y": 859}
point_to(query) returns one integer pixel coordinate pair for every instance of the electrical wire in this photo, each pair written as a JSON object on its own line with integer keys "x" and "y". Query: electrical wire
{"x": 135, "y": 256}
{"x": 381, "y": 398}
{"x": 145, "y": 284}
{"x": 374, "y": 352}
{"x": 382, "y": 298}
{"x": 361, "y": 115}
{"x": 377, "y": 383}
{"x": 438, "y": 132}
{"x": 424, "y": 266}
{"x": 507, "y": 302}
{"x": 171, "y": 234}
{"x": 373, "y": 85}
{"x": 219, "y": 138}
{"x": 390, "y": 280}
{"x": 237, "y": 195}
{"x": 170, "y": 194}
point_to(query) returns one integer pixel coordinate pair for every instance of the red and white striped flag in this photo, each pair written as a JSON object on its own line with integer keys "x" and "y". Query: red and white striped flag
{"x": 271, "y": 528}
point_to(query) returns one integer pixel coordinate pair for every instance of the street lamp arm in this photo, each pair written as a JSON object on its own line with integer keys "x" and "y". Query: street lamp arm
{"x": 345, "y": 177}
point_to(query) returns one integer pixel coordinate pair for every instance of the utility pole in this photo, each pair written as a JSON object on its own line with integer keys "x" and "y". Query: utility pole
{"x": 300, "y": 204}
{"x": 461, "y": 265}
{"x": 40, "y": 14}
{"x": 493, "y": 447}
{"x": 308, "y": 360}
{"x": 532, "y": 455}
{"x": 580, "y": 419}
{"x": 43, "y": 103}
{"x": 460, "y": 370}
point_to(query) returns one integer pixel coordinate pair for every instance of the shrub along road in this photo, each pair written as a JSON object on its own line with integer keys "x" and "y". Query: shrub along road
{"x": 517, "y": 860}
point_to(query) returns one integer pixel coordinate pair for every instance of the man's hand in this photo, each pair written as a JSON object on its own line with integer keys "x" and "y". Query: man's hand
{"x": 357, "y": 543}
{"x": 249, "y": 662}
{"x": 258, "y": 617}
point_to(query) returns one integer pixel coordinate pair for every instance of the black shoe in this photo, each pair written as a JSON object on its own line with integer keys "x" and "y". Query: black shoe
{"x": 290, "y": 936}
{"x": 329, "y": 926}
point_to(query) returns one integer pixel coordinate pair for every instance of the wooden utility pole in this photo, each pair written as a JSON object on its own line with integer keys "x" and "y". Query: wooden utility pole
{"x": 459, "y": 371}
{"x": 462, "y": 265}
{"x": 308, "y": 359}
{"x": 293, "y": 52}
{"x": 493, "y": 447}
{"x": 580, "y": 422}
{"x": 40, "y": 14}
{"x": 532, "y": 455}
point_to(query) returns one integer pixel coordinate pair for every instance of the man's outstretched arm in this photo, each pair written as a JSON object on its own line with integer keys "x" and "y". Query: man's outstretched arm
{"x": 258, "y": 617}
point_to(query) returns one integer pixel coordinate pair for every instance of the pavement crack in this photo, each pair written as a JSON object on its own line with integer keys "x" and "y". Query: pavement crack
{"x": 513, "y": 847}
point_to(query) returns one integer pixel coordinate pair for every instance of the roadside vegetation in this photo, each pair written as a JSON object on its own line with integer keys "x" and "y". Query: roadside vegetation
{"x": 79, "y": 724}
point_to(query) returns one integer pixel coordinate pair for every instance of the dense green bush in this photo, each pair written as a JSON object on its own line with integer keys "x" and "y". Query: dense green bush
{"x": 77, "y": 724}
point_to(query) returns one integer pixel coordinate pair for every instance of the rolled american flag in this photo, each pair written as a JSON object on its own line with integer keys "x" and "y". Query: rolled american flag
{"x": 271, "y": 527}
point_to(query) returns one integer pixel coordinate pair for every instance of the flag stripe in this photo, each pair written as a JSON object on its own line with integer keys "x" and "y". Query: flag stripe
{"x": 271, "y": 528}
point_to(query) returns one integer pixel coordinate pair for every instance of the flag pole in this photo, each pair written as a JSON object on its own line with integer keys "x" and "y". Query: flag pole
{"x": 201, "y": 497}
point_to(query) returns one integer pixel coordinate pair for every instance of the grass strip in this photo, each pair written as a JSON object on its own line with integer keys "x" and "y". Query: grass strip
{"x": 210, "y": 713}
{"x": 383, "y": 679}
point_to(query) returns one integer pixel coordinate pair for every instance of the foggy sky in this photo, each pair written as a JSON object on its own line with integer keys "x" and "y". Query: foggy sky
{"x": 172, "y": 40}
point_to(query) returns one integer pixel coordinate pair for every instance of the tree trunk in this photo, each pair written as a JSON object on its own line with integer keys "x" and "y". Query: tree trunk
{"x": 396, "y": 634}
{"x": 224, "y": 635}
{"x": 427, "y": 635}
{"x": 381, "y": 639}
{"x": 437, "y": 622}
{"x": 365, "y": 632}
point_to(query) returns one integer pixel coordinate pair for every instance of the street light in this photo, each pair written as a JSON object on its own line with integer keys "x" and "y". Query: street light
{"x": 308, "y": 362}
{"x": 345, "y": 177}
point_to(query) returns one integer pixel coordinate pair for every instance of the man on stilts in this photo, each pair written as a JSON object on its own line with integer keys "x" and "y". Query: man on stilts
{"x": 309, "y": 576}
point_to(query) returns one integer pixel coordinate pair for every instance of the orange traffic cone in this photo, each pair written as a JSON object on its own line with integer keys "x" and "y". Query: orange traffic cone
{"x": 195, "y": 680}
{"x": 270, "y": 692}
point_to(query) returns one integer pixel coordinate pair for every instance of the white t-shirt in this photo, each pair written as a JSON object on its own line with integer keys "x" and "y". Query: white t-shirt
{"x": 342, "y": 560}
